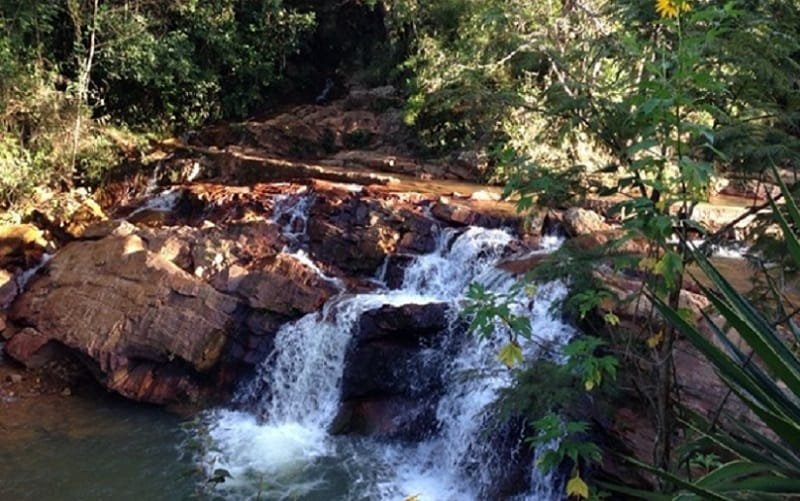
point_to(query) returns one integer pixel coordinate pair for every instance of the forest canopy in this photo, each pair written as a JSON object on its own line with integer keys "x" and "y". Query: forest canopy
{"x": 554, "y": 82}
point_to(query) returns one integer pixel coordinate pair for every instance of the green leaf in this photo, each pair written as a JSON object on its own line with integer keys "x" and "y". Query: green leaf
{"x": 670, "y": 266}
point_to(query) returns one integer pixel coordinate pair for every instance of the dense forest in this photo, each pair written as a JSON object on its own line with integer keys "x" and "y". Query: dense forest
{"x": 648, "y": 105}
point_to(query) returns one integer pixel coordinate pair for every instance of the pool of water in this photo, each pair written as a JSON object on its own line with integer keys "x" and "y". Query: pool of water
{"x": 92, "y": 446}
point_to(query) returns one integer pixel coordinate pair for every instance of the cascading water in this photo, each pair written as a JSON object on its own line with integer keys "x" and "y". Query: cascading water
{"x": 280, "y": 448}
{"x": 290, "y": 212}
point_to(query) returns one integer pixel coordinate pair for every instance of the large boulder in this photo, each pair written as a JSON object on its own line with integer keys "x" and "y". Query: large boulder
{"x": 393, "y": 371}
{"x": 145, "y": 326}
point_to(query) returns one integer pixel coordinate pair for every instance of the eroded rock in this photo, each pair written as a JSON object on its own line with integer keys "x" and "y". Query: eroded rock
{"x": 286, "y": 286}
{"x": 124, "y": 307}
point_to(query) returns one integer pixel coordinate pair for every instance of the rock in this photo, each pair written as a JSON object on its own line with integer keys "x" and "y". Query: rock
{"x": 66, "y": 215}
{"x": 457, "y": 215}
{"x": 123, "y": 307}
{"x": 393, "y": 371}
{"x": 383, "y": 368}
{"x": 485, "y": 196}
{"x": 630, "y": 303}
{"x": 2, "y": 321}
{"x": 14, "y": 378}
{"x": 750, "y": 188}
{"x": 21, "y": 245}
{"x": 8, "y": 288}
{"x": 402, "y": 324}
{"x": 88, "y": 213}
{"x": 351, "y": 233}
{"x": 396, "y": 265}
{"x": 592, "y": 241}
{"x": 286, "y": 286}
{"x": 387, "y": 417}
{"x": 467, "y": 212}
{"x": 66, "y": 392}
{"x": 522, "y": 265}
{"x": 579, "y": 221}
{"x": 31, "y": 348}
{"x": 111, "y": 227}
{"x": 511, "y": 461}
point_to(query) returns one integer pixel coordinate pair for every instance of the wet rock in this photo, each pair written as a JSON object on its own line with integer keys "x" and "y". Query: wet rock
{"x": 123, "y": 307}
{"x": 402, "y": 324}
{"x": 522, "y": 265}
{"x": 466, "y": 212}
{"x": 351, "y": 233}
{"x": 8, "y": 288}
{"x": 385, "y": 368}
{"x": 396, "y": 265}
{"x": 393, "y": 371}
{"x": 389, "y": 417}
{"x": 509, "y": 465}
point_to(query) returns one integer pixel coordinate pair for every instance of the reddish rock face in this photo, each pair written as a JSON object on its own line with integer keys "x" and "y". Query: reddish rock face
{"x": 286, "y": 286}
{"x": 351, "y": 233}
{"x": 28, "y": 345}
{"x": 174, "y": 308}
{"x": 116, "y": 302}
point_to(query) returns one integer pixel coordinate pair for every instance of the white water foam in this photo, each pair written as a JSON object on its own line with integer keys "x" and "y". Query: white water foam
{"x": 165, "y": 201}
{"x": 295, "y": 396}
{"x": 291, "y": 212}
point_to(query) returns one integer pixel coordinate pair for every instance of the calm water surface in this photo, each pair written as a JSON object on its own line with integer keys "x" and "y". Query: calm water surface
{"x": 92, "y": 446}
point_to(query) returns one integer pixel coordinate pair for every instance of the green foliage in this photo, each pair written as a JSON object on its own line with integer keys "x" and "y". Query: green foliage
{"x": 542, "y": 187}
{"x": 764, "y": 374}
{"x": 358, "y": 138}
{"x": 70, "y": 76}
{"x": 487, "y": 308}
{"x": 551, "y": 429}
{"x": 545, "y": 392}
{"x": 192, "y": 61}
{"x": 585, "y": 363}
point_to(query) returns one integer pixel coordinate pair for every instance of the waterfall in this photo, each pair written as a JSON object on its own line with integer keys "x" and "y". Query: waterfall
{"x": 280, "y": 448}
{"x": 290, "y": 212}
